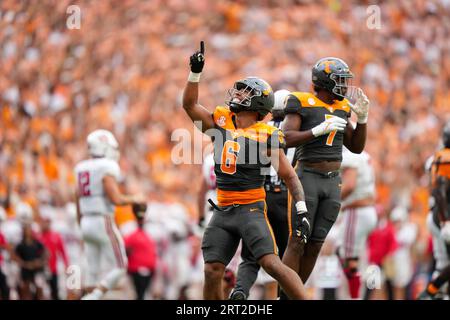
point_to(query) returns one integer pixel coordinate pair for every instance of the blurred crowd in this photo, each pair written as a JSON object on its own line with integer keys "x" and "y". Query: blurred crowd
{"x": 124, "y": 71}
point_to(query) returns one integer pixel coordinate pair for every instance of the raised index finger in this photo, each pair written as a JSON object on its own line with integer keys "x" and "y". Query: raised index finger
{"x": 202, "y": 47}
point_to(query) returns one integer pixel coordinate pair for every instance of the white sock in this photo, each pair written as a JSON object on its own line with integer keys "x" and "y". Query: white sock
{"x": 112, "y": 278}
{"x": 96, "y": 294}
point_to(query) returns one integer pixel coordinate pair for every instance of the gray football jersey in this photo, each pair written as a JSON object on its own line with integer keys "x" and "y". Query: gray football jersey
{"x": 313, "y": 111}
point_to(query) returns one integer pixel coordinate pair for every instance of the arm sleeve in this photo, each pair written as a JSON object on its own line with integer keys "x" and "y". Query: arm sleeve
{"x": 293, "y": 105}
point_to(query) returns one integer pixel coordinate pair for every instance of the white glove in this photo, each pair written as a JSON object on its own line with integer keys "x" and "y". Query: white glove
{"x": 445, "y": 232}
{"x": 361, "y": 106}
{"x": 331, "y": 124}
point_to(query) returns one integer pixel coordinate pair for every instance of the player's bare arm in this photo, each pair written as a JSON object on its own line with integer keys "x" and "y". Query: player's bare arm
{"x": 190, "y": 94}
{"x": 349, "y": 178}
{"x": 291, "y": 126}
{"x": 113, "y": 193}
{"x": 355, "y": 138}
{"x": 287, "y": 173}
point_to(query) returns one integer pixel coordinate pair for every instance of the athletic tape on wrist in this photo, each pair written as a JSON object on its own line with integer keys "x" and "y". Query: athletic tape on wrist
{"x": 300, "y": 206}
{"x": 194, "y": 77}
{"x": 362, "y": 120}
{"x": 317, "y": 131}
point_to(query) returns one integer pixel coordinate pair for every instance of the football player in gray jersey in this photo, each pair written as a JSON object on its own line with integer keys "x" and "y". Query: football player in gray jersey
{"x": 276, "y": 199}
{"x": 317, "y": 125}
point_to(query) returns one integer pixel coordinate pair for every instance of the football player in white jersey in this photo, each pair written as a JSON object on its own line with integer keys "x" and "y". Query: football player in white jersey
{"x": 97, "y": 194}
{"x": 359, "y": 216}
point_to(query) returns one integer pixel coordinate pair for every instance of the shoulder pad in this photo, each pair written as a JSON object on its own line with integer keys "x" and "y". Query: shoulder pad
{"x": 343, "y": 105}
{"x": 443, "y": 154}
{"x": 262, "y": 126}
{"x": 222, "y": 117}
{"x": 306, "y": 99}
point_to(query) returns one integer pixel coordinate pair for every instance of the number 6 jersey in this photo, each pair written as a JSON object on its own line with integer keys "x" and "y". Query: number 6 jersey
{"x": 241, "y": 158}
{"x": 313, "y": 112}
{"x": 90, "y": 174}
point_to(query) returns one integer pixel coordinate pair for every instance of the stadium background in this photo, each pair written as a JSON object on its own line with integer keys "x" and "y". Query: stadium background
{"x": 125, "y": 68}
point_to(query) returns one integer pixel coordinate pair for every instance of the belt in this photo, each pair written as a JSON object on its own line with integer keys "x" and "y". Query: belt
{"x": 328, "y": 175}
{"x": 220, "y": 208}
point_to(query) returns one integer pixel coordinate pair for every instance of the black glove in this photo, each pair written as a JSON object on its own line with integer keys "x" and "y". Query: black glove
{"x": 304, "y": 228}
{"x": 197, "y": 60}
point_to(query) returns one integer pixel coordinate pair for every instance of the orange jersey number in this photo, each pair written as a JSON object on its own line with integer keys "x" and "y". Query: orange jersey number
{"x": 332, "y": 134}
{"x": 229, "y": 157}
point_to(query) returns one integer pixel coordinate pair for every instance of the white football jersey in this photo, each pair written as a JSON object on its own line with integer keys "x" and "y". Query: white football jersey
{"x": 365, "y": 181}
{"x": 89, "y": 174}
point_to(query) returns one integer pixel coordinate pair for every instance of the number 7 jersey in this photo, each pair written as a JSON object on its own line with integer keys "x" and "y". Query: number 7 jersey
{"x": 313, "y": 112}
{"x": 241, "y": 158}
{"x": 89, "y": 174}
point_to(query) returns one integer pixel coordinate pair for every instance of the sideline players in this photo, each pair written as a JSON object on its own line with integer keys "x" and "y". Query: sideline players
{"x": 98, "y": 192}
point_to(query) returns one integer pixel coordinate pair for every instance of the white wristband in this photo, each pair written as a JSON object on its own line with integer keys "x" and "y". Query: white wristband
{"x": 317, "y": 131}
{"x": 362, "y": 120}
{"x": 194, "y": 77}
{"x": 300, "y": 206}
